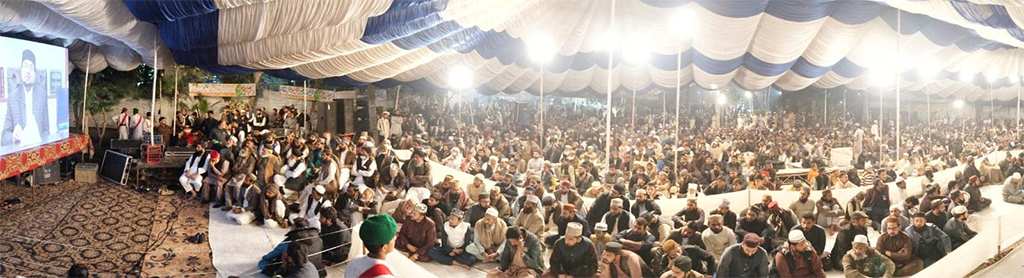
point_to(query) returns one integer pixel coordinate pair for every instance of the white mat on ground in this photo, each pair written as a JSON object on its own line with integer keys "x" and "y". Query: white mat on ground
{"x": 237, "y": 249}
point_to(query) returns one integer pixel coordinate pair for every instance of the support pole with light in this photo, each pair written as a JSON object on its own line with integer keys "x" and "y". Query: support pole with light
{"x": 898, "y": 135}
{"x": 152, "y": 102}
{"x": 541, "y": 51}
{"x": 85, "y": 94}
{"x": 608, "y": 94}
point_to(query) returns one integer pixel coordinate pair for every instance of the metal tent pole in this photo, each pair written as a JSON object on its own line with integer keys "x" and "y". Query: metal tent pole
{"x": 899, "y": 138}
{"x": 152, "y": 102}
{"x": 608, "y": 88}
{"x": 632, "y": 125}
{"x": 676, "y": 131}
{"x": 174, "y": 120}
{"x": 85, "y": 95}
{"x": 542, "y": 106}
{"x": 305, "y": 113}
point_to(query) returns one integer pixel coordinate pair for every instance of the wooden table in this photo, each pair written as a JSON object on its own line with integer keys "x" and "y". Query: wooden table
{"x": 142, "y": 167}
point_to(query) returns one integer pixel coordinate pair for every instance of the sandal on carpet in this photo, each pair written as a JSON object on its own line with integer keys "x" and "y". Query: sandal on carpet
{"x": 10, "y": 203}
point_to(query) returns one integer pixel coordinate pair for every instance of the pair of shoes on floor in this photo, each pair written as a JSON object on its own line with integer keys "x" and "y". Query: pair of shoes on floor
{"x": 225, "y": 208}
{"x": 218, "y": 205}
{"x": 166, "y": 192}
{"x": 198, "y": 238}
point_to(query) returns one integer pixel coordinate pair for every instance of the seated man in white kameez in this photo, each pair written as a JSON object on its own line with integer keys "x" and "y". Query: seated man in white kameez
{"x": 196, "y": 165}
{"x": 311, "y": 202}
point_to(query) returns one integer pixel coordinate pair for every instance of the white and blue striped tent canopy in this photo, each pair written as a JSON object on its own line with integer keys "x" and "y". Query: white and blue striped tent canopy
{"x": 788, "y": 44}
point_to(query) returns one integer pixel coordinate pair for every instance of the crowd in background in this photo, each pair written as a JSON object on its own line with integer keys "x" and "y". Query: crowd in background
{"x": 319, "y": 184}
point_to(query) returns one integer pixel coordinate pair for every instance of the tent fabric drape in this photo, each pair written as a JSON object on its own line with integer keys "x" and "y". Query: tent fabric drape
{"x": 755, "y": 44}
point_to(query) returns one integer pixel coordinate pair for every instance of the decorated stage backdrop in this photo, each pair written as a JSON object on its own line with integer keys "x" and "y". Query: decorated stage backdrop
{"x": 15, "y": 163}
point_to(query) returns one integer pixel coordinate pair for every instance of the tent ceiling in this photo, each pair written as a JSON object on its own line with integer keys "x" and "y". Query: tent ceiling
{"x": 788, "y": 44}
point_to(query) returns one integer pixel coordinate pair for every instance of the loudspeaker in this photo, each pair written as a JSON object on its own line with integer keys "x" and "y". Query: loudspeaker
{"x": 340, "y": 110}
{"x": 115, "y": 167}
{"x": 49, "y": 173}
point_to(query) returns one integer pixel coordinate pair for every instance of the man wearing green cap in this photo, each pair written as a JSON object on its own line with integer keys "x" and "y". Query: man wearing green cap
{"x": 378, "y": 236}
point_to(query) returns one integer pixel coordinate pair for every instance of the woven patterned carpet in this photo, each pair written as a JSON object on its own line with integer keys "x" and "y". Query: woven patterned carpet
{"x": 113, "y": 230}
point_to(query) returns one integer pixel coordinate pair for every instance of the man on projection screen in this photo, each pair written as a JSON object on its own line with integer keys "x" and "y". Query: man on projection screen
{"x": 27, "y": 121}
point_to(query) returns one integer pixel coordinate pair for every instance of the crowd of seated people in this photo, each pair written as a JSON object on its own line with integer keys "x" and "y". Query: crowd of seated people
{"x": 327, "y": 183}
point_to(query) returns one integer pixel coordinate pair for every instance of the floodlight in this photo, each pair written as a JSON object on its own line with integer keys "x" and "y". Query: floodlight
{"x": 882, "y": 75}
{"x": 722, "y": 99}
{"x": 966, "y": 76}
{"x": 958, "y": 104}
{"x": 603, "y": 42}
{"x": 635, "y": 53}
{"x": 748, "y": 94}
{"x": 714, "y": 86}
{"x": 685, "y": 22}
{"x": 460, "y": 77}
{"x": 542, "y": 49}
{"x": 991, "y": 77}
{"x": 927, "y": 69}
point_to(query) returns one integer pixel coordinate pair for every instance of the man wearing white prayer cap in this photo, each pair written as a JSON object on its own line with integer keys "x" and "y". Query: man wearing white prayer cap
{"x": 896, "y": 212}
{"x": 311, "y": 205}
{"x": 692, "y": 191}
{"x": 1012, "y": 192}
{"x": 616, "y": 219}
{"x": 488, "y": 237}
{"x": 530, "y": 216}
{"x": 865, "y": 261}
{"x": 572, "y": 255}
{"x": 957, "y": 229}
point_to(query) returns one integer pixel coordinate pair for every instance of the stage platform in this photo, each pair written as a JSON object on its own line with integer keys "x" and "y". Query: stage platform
{"x": 26, "y": 160}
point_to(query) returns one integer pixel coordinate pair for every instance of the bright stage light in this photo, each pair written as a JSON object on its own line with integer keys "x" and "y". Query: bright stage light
{"x": 460, "y": 77}
{"x": 928, "y": 69}
{"x": 882, "y": 76}
{"x": 685, "y": 23}
{"x": 958, "y": 104}
{"x": 966, "y": 76}
{"x": 722, "y": 100}
{"x": 714, "y": 86}
{"x": 603, "y": 42}
{"x": 992, "y": 77}
{"x": 748, "y": 94}
{"x": 635, "y": 53}
{"x": 542, "y": 49}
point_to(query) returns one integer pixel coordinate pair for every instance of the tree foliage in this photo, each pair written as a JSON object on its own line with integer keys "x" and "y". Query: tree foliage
{"x": 106, "y": 90}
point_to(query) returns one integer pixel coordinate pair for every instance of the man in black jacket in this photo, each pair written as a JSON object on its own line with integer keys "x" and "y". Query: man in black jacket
{"x": 508, "y": 188}
{"x": 301, "y": 233}
{"x": 335, "y": 237}
{"x": 603, "y": 204}
{"x": 574, "y": 255}
{"x": 704, "y": 261}
{"x": 814, "y": 234}
{"x": 644, "y": 204}
{"x": 567, "y": 216}
{"x": 844, "y": 240}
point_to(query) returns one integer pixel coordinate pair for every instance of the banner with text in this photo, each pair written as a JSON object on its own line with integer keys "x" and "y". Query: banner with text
{"x": 314, "y": 94}
{"x": 222, "y": 90}
{"x": 310, "y": 94}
